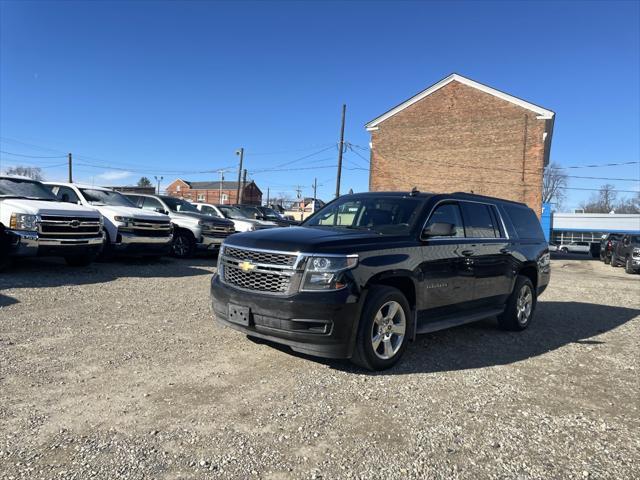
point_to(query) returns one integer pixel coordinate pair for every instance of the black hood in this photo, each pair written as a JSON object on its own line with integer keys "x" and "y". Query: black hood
{"x": 312, "y": 239}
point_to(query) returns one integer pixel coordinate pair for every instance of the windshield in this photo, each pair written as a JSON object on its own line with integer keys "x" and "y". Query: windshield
{"x": 233, "y": 212}
{"x": 635, "y": 240}
{"x": 105, "y": 197}
{"x": 179, "y": 205}
{"x": 384, "y": 215}
{"x": 270, "y": 213}
{"x": 25, "y": 188}
{"x": 250, "y": 212}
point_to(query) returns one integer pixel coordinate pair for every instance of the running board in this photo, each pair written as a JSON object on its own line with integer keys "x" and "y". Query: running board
{"x": 451, "y": 321}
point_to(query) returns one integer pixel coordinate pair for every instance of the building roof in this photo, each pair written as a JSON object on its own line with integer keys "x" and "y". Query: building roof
{"x": 543, "y": 113}
{"x": 214, "y": 185}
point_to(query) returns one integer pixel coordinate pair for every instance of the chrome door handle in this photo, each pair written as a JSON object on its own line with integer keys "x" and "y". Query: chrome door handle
{"x": 467, "y": 253}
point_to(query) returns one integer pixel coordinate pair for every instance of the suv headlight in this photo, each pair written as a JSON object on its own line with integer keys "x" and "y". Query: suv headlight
{"x": 23, "y": 221}
{"x": 323, "y": 272}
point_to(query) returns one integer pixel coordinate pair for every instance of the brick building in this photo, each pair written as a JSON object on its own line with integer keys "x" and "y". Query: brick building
{"x": 461, "y": 135}
{"x": 215, "y": 192}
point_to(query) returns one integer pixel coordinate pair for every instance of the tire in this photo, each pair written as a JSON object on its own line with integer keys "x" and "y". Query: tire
{"x": 183, "y": 245}
{"x": 79, "y": 260}
{"x": 628, "y": 266}
{"x": 614, "y": 260}
{"x": 564, "y": 250}
{"x": 518, "y": 315}
{"x": 607, "y": 259}
{"x": 385, "y": 308}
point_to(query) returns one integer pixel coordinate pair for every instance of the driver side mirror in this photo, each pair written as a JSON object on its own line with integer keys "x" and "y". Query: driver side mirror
{"x": 439, "y": 230}
{"x": 161, "y": 210}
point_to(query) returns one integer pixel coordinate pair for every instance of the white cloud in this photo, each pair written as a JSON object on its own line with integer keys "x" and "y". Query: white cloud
{"x": 114, "y": 175}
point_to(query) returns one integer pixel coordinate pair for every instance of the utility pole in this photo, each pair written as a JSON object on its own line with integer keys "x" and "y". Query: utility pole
{"x": 158, "y": 179}
{"x": 315, "y": 188}
{"x": 70, "y": 169}
{"x": 244, "y": 184}
{"x": 268, "y": 189}
{"x": 299, "y": 191}
{"x": 341, "y": 147}
{"x": 241, "y": 154}
{"x": 220, "y": 189}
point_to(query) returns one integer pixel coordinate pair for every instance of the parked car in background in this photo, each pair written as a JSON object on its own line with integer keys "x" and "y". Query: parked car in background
{"x": 129, "y": 230}
{"x": 627, "y": 253}
{"x": 6, "y": 245}
{"x": 607, "y": 245}
{"x": 575, "y": 247}
{"x": 192, "y": 230}
{"x": 267, "y": 214}
{"x": 365, "y": 274}
{"x": 553, "y": 247}
{"x": 241, "y": 222}
{"x": 39, "y": 225}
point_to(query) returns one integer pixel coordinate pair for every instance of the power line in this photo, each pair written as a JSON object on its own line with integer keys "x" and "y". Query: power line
{"x": 282, "y": 152}
{"x": 31, "y": 156}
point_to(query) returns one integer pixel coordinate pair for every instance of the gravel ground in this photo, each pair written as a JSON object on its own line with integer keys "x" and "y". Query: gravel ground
{"x": 117, "y": 371}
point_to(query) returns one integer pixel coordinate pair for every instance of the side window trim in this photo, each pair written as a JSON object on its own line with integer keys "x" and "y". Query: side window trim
{"x": 492, "y": 207}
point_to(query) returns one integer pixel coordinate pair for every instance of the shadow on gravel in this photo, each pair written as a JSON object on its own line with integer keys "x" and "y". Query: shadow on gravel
{"x": 5, "y": 301}
{"x": 53, "y": 272}
{"x": 482, "y": 344}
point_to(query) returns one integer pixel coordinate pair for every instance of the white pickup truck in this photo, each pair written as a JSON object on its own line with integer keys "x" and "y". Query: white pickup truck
{"x": 36, "y": 224}
{"x": 241, "y": 222}
{"x": 129, "y": 230}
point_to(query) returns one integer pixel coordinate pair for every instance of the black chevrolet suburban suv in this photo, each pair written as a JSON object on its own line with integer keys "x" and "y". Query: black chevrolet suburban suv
{"x": 366, "y": 273}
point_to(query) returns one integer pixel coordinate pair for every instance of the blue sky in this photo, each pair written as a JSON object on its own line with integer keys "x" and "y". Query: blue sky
{"x": 147, "y": 87}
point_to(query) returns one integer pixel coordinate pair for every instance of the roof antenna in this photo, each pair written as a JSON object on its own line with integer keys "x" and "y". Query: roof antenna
{"x": 414, "y": 191}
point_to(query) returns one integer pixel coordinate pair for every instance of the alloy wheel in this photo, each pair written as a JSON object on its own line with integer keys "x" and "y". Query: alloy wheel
{"x": 180, "y": 246}
{"x": 524, "y": 305}
{"x": 388, "y": 330}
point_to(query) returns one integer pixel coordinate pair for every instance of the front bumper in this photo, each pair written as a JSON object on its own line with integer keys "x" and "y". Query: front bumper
{"x": 208, "y": 242}
{"x": 321, "y": 324}
{"x": 32, "y": 244}
{"x": 130, "y": 243}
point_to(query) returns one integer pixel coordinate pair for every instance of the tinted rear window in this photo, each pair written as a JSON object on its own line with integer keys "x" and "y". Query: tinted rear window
{"x": 525, "y": 222}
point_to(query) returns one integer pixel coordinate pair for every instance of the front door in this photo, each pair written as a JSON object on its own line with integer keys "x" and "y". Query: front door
{"x": 446, "y": 271}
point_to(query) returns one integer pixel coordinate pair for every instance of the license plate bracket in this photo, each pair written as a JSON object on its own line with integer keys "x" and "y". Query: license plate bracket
{"x": 239, "y": 314}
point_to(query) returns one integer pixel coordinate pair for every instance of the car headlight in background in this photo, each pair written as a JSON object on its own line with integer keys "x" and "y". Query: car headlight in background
{"x": 323, "y": 272}
{"x": 23, "y": 221}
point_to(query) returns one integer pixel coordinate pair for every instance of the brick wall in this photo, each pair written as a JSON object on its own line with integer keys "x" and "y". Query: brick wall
{"x": 461, "y": 139}
{"x": 251, "y": 195}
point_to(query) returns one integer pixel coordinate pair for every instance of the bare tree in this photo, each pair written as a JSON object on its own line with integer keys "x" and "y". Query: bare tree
{"x": 144, "y": 182}
{"x": 31, "y": 172}
{"x": 554, "y": 184}
{"x": 629, "y": 205}
{"x": 602, "y": 202}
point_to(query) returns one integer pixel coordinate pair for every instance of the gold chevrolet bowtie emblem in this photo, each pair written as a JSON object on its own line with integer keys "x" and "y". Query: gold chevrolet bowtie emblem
{"x": 246, "y": 266}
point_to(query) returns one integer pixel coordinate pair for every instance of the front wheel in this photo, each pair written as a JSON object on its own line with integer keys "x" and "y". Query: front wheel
{"x": 519, "y": 310}
{"x": 614, "y": 260}
{"x": 183, "y": 245}
{"x": 607, "y": 259}
{"x": 628, "y": 266}
{"x": 383, "y": 329}
{"x": 564, "y": 250}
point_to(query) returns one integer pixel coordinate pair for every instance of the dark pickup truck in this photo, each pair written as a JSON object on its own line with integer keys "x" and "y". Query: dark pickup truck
{"x": 626, "y": 253}
{"x": 366, "y": 273}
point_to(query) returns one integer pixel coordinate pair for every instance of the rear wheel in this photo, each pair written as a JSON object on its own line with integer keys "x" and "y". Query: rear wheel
{"x": 183, "y": 244}
{"x": 520, "y": 307}
{"x": 382, "y": 332}
{"x": 564, "y": 250}
{"x": 607, "y": 259}
{"x": 614, "y": 260}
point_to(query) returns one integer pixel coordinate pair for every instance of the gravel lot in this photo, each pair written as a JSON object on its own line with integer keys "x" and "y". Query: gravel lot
{"x": 117, "y": 371}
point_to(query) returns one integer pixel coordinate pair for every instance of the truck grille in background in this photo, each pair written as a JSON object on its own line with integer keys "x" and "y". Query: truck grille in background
{"x": 69, "y": 227}
{"x": 217, "y": 231}
{"x": 150, "y": 228}
{"x": 270, "y": 272}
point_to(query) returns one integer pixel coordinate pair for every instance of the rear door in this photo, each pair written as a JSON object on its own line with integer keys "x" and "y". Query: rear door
{"x": 446, "y": 272}
{"x": 489, "y": 252}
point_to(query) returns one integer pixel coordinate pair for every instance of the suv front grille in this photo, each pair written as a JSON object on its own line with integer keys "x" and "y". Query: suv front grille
{"x": 259, "y": 271}
{"x": 285, "y": 259}
{"x": 69, "y": 227}
{"x": 150, "y": 228}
